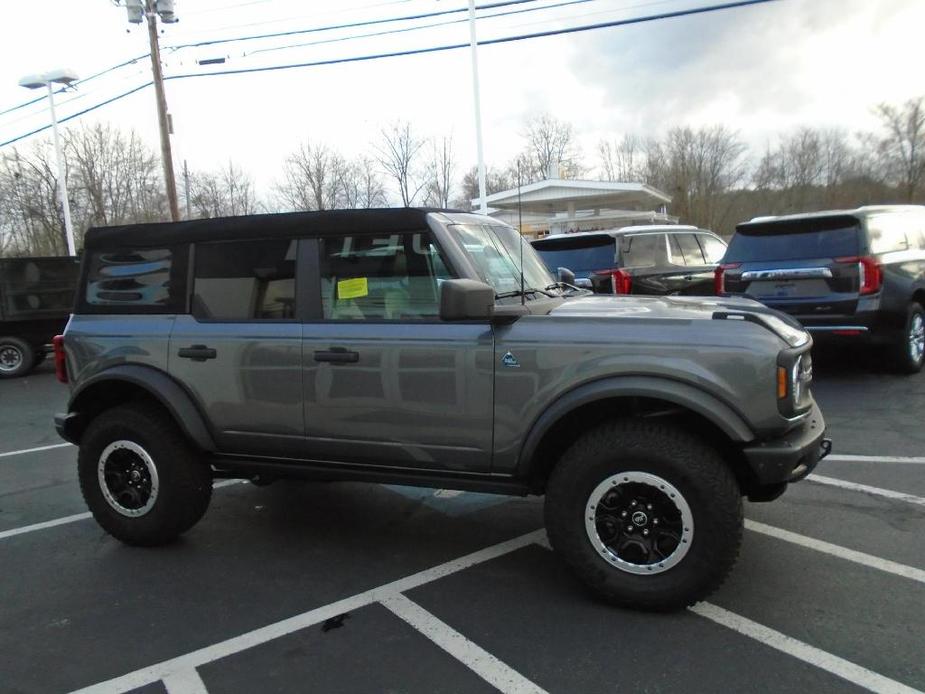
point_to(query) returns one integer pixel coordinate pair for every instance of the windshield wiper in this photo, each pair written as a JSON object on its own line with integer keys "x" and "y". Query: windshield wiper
{"x": 528, "y": 290}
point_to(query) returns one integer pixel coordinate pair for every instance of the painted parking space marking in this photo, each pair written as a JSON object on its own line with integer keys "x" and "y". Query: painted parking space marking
{"x": 35, "y": 450}
{"x": 45, "y": 525}
{"x": 816, "y": 657}
{"x": 868, "y": 560}
{"x": 498, "y": 674}
{"x": 242, "y": 642}
{"x": 867, "y": 489}
{"x": 185, "y": 682}
{"x": 844, "y": 458}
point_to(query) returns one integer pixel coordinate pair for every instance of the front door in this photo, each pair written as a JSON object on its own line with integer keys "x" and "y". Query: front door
{"x": 240, "y": 352}
{"x": 385, "y": 382}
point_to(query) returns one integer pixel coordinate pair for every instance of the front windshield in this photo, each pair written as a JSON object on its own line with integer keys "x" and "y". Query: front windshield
{"x": 495, "y": 249}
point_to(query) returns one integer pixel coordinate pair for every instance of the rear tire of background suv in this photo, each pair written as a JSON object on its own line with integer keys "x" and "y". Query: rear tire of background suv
{"x": 17, "y": 358}
{"x": 903, "y": 356}
{"x": 143, "y": 482}
{"x": 620, "y": 468}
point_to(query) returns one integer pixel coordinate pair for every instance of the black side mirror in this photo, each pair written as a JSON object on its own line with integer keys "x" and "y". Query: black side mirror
{"x": 466, "y": 300}
{"x": 565, "y": 275}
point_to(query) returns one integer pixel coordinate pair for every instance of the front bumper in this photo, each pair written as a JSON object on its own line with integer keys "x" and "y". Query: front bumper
{"x": 68, "y": 426}
{"x": 792, "y": 456}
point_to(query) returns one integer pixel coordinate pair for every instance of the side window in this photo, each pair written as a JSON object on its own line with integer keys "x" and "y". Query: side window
{"x": 641, "y": 250}
{"x": 393, "y": 277}
{"x": 691, "y": 249}
{"x": 888, "y": 233}
{"x": 245, "y": 280}
{"x": 713, "y": 248}
{"x": 148, "y": 280}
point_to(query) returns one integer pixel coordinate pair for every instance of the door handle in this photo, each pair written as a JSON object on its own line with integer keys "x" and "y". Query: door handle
{"x": 197, "y": 353}
{"x": 337, "y": 355}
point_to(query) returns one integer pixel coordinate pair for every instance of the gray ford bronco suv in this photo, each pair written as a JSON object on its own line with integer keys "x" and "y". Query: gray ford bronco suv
{"x": 406, "y": 346}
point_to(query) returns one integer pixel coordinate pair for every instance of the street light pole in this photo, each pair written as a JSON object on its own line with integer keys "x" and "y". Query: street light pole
{"x": 473, "y": 45}
{"x": 162, "y": 118}
{"x": 62, "y": 180}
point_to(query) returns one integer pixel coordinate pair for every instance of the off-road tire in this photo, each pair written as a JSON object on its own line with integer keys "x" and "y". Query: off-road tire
{"x": 692, "y": 466}
{"x": 20, "y": 350}
{"x": 184, "y": 480}
{"x": 901, "y": 355}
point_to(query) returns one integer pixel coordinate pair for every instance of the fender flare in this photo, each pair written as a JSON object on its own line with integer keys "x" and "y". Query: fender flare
{"x": 682, "y": 394}
{"x": 164, "y": 389}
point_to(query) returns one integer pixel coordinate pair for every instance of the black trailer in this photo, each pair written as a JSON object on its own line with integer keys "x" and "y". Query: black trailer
{"x": 36, "y": 297}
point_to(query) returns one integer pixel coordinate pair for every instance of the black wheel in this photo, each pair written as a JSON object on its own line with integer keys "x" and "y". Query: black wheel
{"x": 647, "y": 515}
{"x": 143, "y": 482}
{"x": 909, "y": 353}
{"x": 17, "y": 358}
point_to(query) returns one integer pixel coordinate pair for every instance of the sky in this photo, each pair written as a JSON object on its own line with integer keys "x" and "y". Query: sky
{"x": 762, "y": 70}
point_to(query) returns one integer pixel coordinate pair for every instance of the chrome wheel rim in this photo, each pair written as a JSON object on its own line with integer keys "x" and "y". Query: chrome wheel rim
{"x": 10, "y": 358}
{"x": 917, "y": 337}
{"x": 128, "y": 478}
{"x": 639, "y": 523}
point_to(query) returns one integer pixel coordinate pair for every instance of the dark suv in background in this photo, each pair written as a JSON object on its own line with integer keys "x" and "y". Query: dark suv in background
{"x": 855, "y": 275}
{"x": 653, "y": 260}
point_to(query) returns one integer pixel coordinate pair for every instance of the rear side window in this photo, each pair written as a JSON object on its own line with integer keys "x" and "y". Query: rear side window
{"x": 713, "y": 248}
{"x": 794, "y": 240}
{"x": 580, "y": 254}
{"x": 888, "y": 233}
{"x": 245, "y": 280}
{"x": 644, "y": 250}
{"x": 135, "y": 280}
{"x": 36, "y": 287}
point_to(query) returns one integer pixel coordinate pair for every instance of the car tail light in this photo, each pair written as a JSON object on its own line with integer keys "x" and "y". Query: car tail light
{"x": 870, "y": 273}
{"x": 622, "y": 281}
{"x": 719, "y": 277}
{"x": 60, "y": 360}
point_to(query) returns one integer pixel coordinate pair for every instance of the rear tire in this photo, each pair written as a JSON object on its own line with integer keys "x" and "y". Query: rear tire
{"x": 141, "y": 479}
{"x": 17, "y": 357}
{"x": 908, "y": 355}
{"x": 647, "y": 515}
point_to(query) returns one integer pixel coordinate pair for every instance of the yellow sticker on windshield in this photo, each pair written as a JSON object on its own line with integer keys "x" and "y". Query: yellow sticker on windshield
{"x": 352, "y": 289}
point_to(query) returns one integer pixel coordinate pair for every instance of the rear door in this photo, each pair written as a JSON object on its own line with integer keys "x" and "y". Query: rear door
{"x": 682, "y": 268}
{"x": 806, "y": 267}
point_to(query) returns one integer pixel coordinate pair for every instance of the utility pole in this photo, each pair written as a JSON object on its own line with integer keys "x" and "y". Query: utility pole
{"x": 186, "y": 188}
{"x": 163, "y": 120}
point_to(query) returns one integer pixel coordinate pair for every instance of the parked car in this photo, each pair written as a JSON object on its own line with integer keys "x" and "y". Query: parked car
{"x": 36, "y": 296}
{"x": 649, "y": 260}
{"x": 414, "y": 347}
{"x": 856, "y": 276}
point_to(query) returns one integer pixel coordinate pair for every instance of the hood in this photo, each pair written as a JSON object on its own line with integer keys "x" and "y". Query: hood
{"x": 684, "y": 308}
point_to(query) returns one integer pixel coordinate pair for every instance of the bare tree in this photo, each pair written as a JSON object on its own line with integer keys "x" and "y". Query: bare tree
{"x": 30, "y": 217}
{"x": 313, "y": 178}
{"x": 398, "y": 155}
{"x": 903, "y": 145}
{"x": 623, "y": 160}
{"x": 496, "y": 180}
{"x": 227, "y": 192}
{"x": 440, "y": 170}
{"x": 361, "y": 185}
{"x": 550, "y": 144}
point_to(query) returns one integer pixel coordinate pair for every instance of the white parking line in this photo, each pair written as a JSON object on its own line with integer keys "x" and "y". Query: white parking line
{"x": 867, "y": 489}
{"x": 498, "y": 674}
{"x": 185, "y": 682}
{"x": 82, "y": 516}
{"x": 839, "y": 458}
{"x": 868, "y": 560}
{"x": 35, "y": 450}
{"x": 236, "y": 644}
{"x": 816, "y": 657}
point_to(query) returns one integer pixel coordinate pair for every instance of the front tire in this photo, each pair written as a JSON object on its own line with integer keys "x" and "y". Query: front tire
{"x": 17, "y": 357}
{"x": 909, "y": 353}
{"x": 141, "y": 479}
{"x": 647, "y": 515}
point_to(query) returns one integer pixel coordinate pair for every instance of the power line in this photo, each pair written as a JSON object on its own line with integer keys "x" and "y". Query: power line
{"x": 483, "y": 42}
{"x": 434, "y": 49}
{"x": 352, "y": 25}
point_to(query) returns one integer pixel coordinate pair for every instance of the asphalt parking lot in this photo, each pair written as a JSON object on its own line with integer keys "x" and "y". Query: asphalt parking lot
{"x": 367, "y": 588}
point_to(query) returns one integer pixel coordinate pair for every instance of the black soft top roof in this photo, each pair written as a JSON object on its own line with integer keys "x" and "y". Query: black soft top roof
{"x": 285, "y": 225}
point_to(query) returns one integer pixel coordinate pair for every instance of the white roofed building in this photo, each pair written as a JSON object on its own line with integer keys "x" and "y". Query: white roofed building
{"x": 560, "y": 206}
